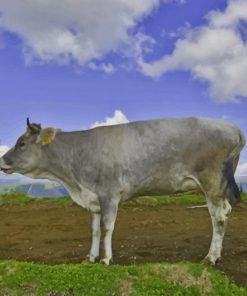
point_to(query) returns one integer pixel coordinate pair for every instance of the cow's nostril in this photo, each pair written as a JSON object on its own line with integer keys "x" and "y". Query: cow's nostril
{"x": 7, "y": 161}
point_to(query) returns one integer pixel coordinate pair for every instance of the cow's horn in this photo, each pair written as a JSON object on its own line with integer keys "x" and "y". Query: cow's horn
{"x": 28, "y": 122}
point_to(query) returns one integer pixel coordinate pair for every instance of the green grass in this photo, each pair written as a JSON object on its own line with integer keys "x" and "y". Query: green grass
{"x": 16, "y": 198}
{"x": 182, "y": 279}
{"x": 65, "y": 200}
{"x": 165, "y": 200}
{"x": 187, "y": 199}
{"x": 19, "y": 198}
{"x": 244, "y": 196}
{"x": 20, "y": 278}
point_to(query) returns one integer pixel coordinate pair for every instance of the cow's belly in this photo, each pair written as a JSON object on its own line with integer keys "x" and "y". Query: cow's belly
{"x": 169, "y": 185}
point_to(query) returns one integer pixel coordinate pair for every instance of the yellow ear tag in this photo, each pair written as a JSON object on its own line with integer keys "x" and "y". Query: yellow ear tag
{"x": 48, "y": 136}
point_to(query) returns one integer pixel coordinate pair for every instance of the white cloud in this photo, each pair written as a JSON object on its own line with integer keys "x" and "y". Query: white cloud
{"x": 117, "y": 118}
{"x": 241, "y": 170}
{"x": 215, "y": 53}
{"x": 180, "y": 32}
{"x": 77, "y": 30}
{"x": 3, "y": 149}
{"x": 104, "y": 67}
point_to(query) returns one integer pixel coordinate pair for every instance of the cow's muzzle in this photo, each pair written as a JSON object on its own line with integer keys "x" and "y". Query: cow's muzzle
{"x": 7, "y": 169}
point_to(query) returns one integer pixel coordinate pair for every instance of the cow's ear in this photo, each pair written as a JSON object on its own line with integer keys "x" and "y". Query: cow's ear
{"x": 47, "y": 135}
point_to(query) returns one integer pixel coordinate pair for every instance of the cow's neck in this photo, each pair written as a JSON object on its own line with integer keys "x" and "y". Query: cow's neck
{"x": 57, "y": 166}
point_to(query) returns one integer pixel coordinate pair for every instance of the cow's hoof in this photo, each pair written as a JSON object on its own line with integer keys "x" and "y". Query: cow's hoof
{"x": 90, "y": 259}
{"x": 106, "y": 261}
{"x": 85, "y": 261}
{"x": 209, "y": 261}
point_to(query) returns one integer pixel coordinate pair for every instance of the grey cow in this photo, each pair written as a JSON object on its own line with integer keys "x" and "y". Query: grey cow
{"x": 104, "y": 166}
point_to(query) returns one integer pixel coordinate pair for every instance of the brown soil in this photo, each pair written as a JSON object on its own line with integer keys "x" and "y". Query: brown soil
{"x": 53, "y": 233}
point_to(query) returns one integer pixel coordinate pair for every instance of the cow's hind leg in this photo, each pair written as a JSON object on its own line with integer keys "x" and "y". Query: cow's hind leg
{"x": 219, "y": 209}
{"x": 220, "y": 188}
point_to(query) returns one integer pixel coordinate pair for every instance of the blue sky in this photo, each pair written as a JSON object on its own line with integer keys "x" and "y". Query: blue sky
{"x": 68, "y": 64}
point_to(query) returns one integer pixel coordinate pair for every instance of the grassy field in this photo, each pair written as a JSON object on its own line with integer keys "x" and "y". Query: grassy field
{"x": 22, "y": 278}
{"x": 13, "y": 186}
{"x": 19, "y": 198}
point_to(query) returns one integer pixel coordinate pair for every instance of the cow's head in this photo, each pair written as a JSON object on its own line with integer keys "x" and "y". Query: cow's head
{"x": 26, "y": 155}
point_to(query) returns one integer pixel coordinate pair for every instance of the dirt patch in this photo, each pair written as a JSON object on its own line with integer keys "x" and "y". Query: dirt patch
{"x": 125, "y": 287}
{"x": 53, "y": 233}
{"x": 182, "y": 276}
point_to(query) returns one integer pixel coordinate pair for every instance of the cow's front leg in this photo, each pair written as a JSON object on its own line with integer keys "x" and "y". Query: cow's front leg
{"x": 108, "y": 219}
{"x": 96, "y": 233}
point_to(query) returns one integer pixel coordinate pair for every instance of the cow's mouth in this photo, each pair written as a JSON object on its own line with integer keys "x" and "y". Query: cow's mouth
{"x": 7, "y": 169}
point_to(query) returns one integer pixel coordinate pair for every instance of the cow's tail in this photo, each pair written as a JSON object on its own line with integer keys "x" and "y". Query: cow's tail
{"x": 232, "y": 190}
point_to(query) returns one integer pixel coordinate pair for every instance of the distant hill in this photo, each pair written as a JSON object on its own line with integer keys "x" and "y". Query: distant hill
{"x": 42, "y": 189}
{"x": 244, "y": 187}
{"x": 51, "y": 189}
{"x": 242, "y": 182}
{"x": 9, "y": 181}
